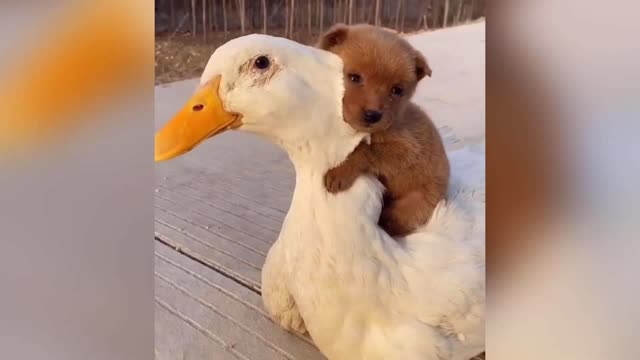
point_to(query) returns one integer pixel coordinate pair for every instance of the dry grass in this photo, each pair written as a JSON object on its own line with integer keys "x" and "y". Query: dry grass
{"x": 182, "y": 57}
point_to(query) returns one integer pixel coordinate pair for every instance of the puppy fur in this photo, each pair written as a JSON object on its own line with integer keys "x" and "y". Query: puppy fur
{"x": 381, "y": 72}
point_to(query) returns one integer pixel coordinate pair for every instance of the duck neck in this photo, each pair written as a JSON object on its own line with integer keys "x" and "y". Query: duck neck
{"x": 332, "y": 218}
{"x": 315, "y": 157}
{"x": 338, "y": 221}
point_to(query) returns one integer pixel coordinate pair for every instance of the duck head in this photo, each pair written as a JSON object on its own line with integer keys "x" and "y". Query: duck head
{"x": 283, "y": 90}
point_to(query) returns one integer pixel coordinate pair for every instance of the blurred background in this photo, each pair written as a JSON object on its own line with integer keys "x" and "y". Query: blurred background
{"x": 76, "y": 180}
{"x": 76, "y": 216}
{"x": 187, "y": 31}
{"x": 563, "y": 118}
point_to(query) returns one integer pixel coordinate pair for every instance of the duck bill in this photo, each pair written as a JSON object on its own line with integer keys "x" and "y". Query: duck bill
{"x": 201, "y": 118}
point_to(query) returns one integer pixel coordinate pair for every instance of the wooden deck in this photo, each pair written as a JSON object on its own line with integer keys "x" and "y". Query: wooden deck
{"x": 217, "y": 212}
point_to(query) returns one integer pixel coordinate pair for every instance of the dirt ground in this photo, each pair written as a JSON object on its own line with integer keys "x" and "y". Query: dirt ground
{"x": 182, "y": 56}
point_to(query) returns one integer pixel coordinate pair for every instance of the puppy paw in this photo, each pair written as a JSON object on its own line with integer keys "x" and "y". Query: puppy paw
{"x": 337, "y": 180}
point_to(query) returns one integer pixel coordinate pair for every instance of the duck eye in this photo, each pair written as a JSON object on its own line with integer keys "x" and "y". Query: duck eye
{"x": 397, "y": 91}
{"x": 355, "y": 78}
{"x": 262, "y": 62}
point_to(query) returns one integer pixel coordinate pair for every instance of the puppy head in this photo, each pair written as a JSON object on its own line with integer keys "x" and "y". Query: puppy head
{"x": 381, "y": 73}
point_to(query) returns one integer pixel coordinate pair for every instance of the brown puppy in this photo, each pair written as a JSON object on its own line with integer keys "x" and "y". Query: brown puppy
{"x": 406, "y": 153}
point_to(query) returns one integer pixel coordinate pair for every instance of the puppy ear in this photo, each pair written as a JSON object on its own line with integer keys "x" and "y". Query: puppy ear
{"x": 422, "y": 67}
{"x": 333, "y": 37}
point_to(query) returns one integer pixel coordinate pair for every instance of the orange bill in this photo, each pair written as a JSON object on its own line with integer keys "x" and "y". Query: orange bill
{"x": 202, "y": 117}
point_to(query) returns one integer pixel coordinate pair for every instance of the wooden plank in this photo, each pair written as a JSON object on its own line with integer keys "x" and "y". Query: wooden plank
{"x": 256, "y": 156}
{"x": 240, "y": 208}
{"x": 199, "y": 249}
{"x": 254, "y": 195}
{"x": 230, "y": 314}
{"x": 214, "y": 228}
{"x": 176, "y": 338}
{"x": 256, "y": 159}
{"x": 259, "y": 188}
{"x": 195, "y": 310}
{"x": 218, "y": 213}
{"x": 224, "y": 195}
{"x": 223, "y": 214}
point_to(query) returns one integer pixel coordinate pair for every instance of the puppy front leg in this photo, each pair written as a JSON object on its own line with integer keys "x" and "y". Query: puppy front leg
{"x": 342, "y": 177}
{"x": 276, "y": 297}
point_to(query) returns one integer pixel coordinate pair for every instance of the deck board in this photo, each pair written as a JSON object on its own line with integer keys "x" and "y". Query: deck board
{"x": 227, "y": 315}
{"x": 204, "y": 227}
{"x": 204, "y": 253}
{"x": 180, "y": 341}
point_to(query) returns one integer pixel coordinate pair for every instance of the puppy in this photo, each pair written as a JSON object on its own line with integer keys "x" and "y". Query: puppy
{"x": 406, "y": 153}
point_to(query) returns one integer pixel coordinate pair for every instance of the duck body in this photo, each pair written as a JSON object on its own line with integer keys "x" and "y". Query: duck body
{"x": 364, "y": 295}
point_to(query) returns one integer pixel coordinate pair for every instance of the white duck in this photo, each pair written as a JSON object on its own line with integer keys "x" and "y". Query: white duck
{"x": 362, "y": 294}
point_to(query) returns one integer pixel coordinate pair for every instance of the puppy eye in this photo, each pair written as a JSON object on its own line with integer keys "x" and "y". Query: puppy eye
{"x": 397, "y": 91}
{"x": 262, "y": 62}
{"x": 355, "y": 78}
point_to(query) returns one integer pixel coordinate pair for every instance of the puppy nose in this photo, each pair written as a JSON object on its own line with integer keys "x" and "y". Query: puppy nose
{"x": 372, "y": 116}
